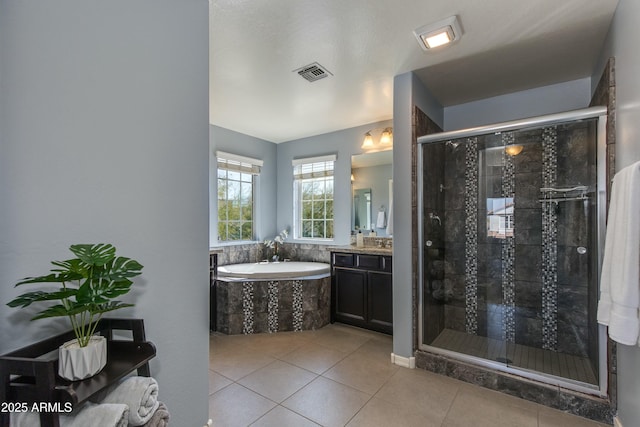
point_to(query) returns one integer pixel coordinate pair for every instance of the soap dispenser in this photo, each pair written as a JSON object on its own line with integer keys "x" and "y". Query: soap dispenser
{"x": 360, "y": 239}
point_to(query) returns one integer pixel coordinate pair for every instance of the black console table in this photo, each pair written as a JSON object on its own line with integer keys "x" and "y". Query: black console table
{"x": 29, "y": 375}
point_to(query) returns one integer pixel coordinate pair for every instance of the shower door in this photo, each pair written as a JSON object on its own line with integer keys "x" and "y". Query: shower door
{"x": 510, "y": 260}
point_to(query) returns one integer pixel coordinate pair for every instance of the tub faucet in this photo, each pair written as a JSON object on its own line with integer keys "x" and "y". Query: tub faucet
{"x": 434, "y": 217}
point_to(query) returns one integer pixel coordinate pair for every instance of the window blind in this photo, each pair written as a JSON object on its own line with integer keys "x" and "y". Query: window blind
{"x": 313, "y": 167}
{"x": 236, "y": 163}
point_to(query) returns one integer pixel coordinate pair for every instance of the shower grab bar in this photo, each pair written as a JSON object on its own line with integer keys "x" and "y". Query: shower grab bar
{"x": 564, "y": 199}
{"x": 563, "y": 190}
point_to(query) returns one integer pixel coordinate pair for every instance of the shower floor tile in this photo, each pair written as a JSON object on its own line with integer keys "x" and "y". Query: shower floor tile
{"x": 530, "y": 358}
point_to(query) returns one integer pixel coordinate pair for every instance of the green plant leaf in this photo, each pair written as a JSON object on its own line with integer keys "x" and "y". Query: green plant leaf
{"x": 89, "y": 284}
{"x": 117, "y": 288}
{"x": 85, "y": 293}
{"x": 112, "y": 305}
{"x": 71, "y": 266}
{"x": 98, "y": 254}
{"x": 26, "y": 299}
{"x": 51, "y": 278}
{"x": 53, "y": 311}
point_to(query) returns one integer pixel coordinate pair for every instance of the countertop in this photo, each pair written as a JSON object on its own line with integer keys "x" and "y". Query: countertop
{"x": 371, "y": 250}
{"x": 215, "y": 251}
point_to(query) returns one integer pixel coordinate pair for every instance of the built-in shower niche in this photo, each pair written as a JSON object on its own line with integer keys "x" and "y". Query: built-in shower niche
{"x": 509, "y": 249}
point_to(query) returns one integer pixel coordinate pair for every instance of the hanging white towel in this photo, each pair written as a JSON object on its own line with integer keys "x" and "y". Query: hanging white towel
{"x": 380, "y": 222}
{"x": 390, "y": 221}
{"x": 620, "y": 279}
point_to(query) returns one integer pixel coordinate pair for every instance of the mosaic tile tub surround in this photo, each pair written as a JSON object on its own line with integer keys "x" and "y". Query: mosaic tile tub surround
{"x": 249, "y": 307}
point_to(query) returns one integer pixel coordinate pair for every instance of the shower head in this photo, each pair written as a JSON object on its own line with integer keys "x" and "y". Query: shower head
{"x": 452, "y": 144}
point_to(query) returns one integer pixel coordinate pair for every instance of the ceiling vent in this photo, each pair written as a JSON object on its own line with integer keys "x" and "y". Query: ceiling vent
{"x": 313, "y": 72}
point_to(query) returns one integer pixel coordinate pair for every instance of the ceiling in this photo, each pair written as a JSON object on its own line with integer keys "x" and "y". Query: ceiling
{"x": 506, "y": 46}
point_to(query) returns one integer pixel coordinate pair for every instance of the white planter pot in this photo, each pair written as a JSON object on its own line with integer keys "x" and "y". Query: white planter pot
{"x": 77, "y": 363}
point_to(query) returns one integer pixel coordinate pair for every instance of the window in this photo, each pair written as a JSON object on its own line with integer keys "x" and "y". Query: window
{"x": 500, "y": 217}
{"x": 237, "y": 177}
{"x": 313, "y": 197}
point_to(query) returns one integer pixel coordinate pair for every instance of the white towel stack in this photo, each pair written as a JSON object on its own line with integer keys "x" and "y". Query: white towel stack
{"x": 131, "y": 402}
{"x": 620, "y": 281}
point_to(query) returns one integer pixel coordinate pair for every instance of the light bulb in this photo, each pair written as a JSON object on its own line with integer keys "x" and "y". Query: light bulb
{"x": 368, "y": 141}
{"x": 513, "y": 150}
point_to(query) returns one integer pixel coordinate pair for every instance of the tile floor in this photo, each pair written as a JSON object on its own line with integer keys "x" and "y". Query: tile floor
{"x": 342, "y": 376}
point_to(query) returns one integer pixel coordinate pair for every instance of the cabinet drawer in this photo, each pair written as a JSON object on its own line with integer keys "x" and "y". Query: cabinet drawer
{"x": 386, "y": 263}
{"x": 342, "y": 259}
{"x": 370, "y": 262}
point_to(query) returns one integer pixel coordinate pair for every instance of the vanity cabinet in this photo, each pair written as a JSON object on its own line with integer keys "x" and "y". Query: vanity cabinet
{"x": 362, "y": 290}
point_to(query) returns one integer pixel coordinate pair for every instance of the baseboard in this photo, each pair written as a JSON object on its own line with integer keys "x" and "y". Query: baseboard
{"x": 405, "y": 362}
{"x": 617, "y": 422}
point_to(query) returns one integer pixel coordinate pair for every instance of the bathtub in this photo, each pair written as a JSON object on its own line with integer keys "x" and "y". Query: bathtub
{"x": 274, "y": 270}
{"x": 272, "y": 297}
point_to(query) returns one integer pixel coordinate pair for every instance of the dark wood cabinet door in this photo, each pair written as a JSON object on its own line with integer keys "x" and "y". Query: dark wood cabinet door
{"x": 350, "y": 288}
{"x": 380, "y": 300}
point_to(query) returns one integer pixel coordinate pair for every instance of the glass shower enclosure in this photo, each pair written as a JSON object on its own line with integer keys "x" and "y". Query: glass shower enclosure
{"x": 511, "y": 229}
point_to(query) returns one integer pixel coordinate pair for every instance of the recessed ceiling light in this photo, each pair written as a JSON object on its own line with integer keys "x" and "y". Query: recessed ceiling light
{"x": 439, "y": 33}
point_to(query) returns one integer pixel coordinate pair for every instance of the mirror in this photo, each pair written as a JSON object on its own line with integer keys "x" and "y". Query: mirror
{"x": 371, "y": 174}
{"x": 362, "y": 208}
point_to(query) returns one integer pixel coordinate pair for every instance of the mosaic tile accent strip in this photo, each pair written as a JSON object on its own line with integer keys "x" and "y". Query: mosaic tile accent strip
{"x": 508, "y": 245}
{"x": 247, "y": 308}
{"x": 297, "y": 305}
{"x": 471, "y": 235}
{"x": 272, "y": 307}
{"x": 549, "y": 243}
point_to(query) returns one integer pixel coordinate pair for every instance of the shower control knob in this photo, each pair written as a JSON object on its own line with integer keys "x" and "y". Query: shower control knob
{"x": 582, "y": 250}
{"x": 429, "y": 243}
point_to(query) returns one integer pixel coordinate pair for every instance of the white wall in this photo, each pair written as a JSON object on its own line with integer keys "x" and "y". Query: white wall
{"x": 244, "y": 145}
{"x": 622, "y": 43}
{"x": 104, "y": 138}
{"x": 567, "y": 96}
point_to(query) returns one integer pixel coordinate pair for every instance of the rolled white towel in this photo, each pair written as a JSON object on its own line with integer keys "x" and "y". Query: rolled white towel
{"x": 160, "y": 418}
{"x": 140, "y": 394}
{"x": 89, "y": 414}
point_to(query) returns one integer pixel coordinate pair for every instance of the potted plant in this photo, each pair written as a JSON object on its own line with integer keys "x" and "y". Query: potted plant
{"x": 89, "y": 284}
{"x": 275, "y": 242}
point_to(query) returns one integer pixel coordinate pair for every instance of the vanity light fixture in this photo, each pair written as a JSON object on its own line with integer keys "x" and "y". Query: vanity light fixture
{"x": 513, "y": 150}
{"x": 367, "y": 144}
{"x": 439, "y": 33}
{"x": 385, "y": 142}
{"x": 386, "y": 138}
